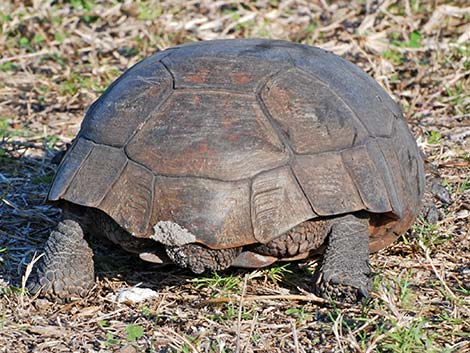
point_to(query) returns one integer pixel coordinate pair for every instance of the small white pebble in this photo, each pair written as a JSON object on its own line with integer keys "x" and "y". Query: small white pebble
{"x": 132, "y": 295}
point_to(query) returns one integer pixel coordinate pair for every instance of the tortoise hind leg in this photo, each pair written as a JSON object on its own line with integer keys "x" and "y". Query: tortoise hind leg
{"x": 66, "y": 269}
{"x": 344, "y": 274}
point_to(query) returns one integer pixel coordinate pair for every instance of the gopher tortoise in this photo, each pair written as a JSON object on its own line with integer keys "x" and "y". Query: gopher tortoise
{"x": 237, "y": 153}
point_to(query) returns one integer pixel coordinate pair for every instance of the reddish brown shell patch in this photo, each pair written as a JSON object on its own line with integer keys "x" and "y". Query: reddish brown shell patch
{"x": 208, "y": 134}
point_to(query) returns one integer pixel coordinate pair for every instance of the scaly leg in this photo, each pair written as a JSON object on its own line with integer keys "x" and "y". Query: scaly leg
{"x": 66, "y": 269}
{"x": 344, "y": 274}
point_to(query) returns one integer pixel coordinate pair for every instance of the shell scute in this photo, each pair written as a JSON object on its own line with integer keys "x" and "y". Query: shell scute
{"x": 314, "y": 117}
{"x": 214, "y": 211}
{"x": 130, "y": 200}
{"x": 327, "y": 183}
{"x": 208, "y": 134}
{"x": 367, "y": 99}
{"x": 125, "y": 106}
{"x": 277, "y": 204}
{"x": 93, "y": 175}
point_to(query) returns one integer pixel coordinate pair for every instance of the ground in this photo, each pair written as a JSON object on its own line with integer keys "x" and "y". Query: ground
{"x": 57, "y": 57}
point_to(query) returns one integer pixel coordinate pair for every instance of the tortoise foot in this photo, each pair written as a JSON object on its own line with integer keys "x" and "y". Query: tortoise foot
{"x": 342, "y": 287}
{"x": 66, "y": 269}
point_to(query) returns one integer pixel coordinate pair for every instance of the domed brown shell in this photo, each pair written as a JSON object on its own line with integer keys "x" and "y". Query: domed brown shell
{"x": 240, "y": 140}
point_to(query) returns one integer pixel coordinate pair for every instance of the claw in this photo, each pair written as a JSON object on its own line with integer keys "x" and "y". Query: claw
{"x": 160, "y": 258}
{"x": 248, "y": 259}
{"x": 364, "y": 292}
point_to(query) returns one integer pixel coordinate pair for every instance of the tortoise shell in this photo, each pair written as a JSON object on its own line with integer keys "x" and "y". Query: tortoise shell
{"x": 238, "y": 141}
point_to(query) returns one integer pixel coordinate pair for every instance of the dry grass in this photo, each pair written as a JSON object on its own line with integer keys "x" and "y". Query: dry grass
{"x": 57, "y": 57}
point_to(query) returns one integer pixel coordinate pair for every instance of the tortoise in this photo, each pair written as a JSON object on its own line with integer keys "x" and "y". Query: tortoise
{"x": 237, "y": 153}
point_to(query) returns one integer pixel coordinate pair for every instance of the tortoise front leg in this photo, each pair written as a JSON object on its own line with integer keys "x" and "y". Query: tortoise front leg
{"x": 344, "y": 274}
{"x": 66, "y": 269}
